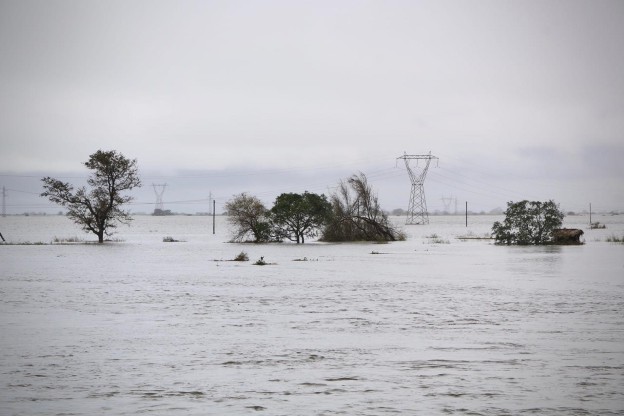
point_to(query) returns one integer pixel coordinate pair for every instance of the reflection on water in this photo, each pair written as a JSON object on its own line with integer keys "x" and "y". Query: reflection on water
{"x": 461, "y": 327}
{"x": 534, "y": 261}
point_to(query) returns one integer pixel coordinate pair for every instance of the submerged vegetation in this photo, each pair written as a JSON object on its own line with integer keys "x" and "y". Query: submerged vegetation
{"x": 76, "y": 239}
{"x": 297, "y": 216}
{"x": 615, "y": 239}
{"x": 528, "y": 223}
{"x": 357, "y": 216}
{"x": 261, "y": 262}
{"x": 242, "y": 256}
{"x": 55, "y": 242}
{"x": 249, "y": 219}
{"x": 436, "y": 239}
{"x": 353, "y": 213}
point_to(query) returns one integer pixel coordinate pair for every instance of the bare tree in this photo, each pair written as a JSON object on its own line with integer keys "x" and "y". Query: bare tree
{"x": 357, "y": 215}
{"x": 249, "y": 218}
{"x": 98, "y": 209}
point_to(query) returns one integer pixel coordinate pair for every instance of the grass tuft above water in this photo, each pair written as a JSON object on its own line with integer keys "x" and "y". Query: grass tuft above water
{"x": 615, "y": 239}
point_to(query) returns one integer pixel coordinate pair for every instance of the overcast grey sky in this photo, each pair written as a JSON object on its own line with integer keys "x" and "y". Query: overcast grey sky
{"x": 519, "y": 99}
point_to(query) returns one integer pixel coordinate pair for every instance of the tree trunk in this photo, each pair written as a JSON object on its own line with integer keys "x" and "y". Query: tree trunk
{"x": 100, "y": 235}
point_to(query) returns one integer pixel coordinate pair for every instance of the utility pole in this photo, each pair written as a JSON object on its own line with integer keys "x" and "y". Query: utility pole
{"x": 4, "y": 194}
{"x": 214, "y": 212}
{"x": 417, "y": 208}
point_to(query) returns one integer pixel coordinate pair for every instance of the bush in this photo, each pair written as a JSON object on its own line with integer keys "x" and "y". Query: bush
{"x": 242, "y": 256}
{"x": 436, "y": 239}
{"x": 59, "y": 240}
{"x": 615, "y": 239}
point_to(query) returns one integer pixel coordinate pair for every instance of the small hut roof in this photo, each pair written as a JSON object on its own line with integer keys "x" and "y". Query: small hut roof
{"x": 567, "y": 233}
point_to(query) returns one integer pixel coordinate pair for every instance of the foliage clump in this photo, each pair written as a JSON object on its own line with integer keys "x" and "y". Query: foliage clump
{"x": 58, "y": 240}
{"x": 261, "y": 262}
{"x": 353, "y": 213}
{"x": 528, "y": 223}
{"x": 242, "y": 256}
{"x": 615, "y": 239}
{"x": 296, "y": 216}
{"x": 436, "y": 239}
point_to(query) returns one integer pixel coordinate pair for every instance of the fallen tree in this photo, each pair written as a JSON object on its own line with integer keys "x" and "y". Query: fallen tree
{"x": 357, "y": 216}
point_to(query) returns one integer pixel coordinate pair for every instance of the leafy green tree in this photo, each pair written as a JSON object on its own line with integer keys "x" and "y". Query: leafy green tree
{"x": 357, "y": 215}
{"x": 99, "y": 209}
{"x": 528, "y": 223}
{"x": 296, "y": 216}
{"x": 249, "y": 218}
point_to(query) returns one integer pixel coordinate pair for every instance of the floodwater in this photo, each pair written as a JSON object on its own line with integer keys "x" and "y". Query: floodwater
{"x": 426, "y": 326}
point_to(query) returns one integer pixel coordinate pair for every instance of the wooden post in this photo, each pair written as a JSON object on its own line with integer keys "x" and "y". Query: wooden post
{"x": 213, "y": 215}
{"x": 466, "y": 213}
{"x": 590, "y": 223}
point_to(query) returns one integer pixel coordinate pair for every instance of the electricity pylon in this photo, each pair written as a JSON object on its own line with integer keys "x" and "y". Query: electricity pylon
{"x": 447, "y": 204}
{"x": 159, "y": 190}
{"x": 417, "y": 209}
{"x": 447, "y": 201}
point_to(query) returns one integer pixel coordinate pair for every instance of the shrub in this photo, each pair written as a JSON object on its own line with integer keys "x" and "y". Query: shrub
{"x": 242, "y": 256}
{"x": 59, "y": 240}
{"x": 615, "y": 239}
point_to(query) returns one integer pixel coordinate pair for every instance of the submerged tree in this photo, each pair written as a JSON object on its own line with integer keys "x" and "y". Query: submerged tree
{"x": 528, "y": 223}
{"x": 357, "y": 216}
{"x": 99, "y": 209}
{"x": 296, "y": 216}
{"x": 249, "y": 218}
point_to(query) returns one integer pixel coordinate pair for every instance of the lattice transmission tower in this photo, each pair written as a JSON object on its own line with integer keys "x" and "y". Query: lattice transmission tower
{"x": 417, "y": 208}
{"x": 447, "y": 201}
{"x": 159, "y": 190}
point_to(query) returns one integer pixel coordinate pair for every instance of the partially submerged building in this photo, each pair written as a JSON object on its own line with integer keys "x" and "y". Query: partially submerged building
{"x": 567, "y": 236}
